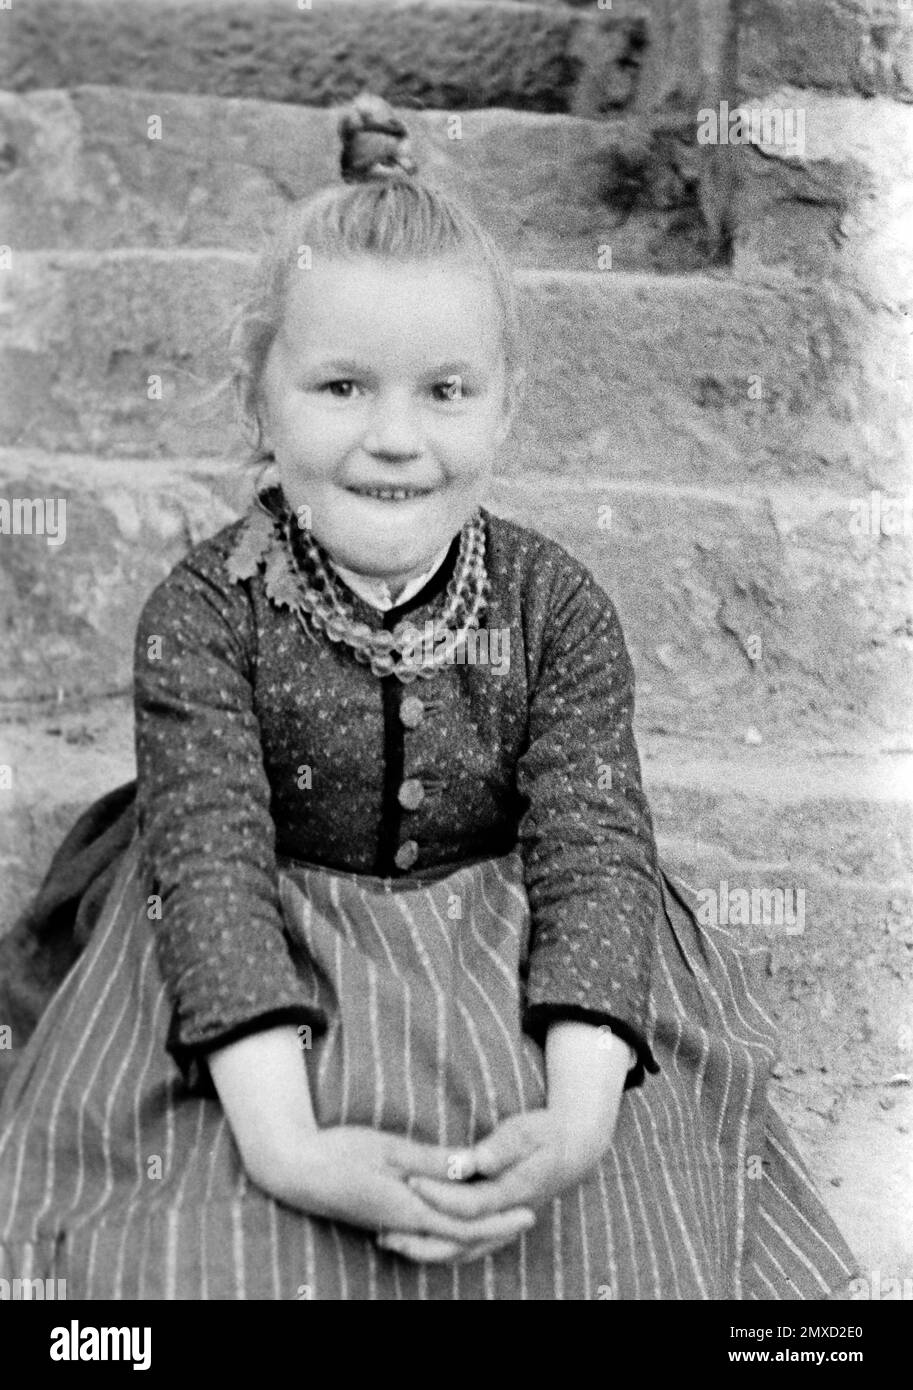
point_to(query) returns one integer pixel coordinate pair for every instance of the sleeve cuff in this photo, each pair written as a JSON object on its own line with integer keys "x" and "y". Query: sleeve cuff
{"x": 191, "y": 1057}
{"x": 539, "y": 1017}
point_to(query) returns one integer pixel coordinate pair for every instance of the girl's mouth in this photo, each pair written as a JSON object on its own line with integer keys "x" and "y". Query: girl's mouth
{"x": 392, "y": 494}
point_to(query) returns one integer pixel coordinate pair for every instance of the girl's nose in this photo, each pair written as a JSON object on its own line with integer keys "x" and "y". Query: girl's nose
{"x": 394, "y": 430}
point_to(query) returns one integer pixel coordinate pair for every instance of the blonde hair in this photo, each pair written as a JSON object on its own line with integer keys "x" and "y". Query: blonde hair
{"x": 383, "y": 211}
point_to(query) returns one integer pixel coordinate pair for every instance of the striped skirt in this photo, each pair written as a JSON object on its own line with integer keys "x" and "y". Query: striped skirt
{"x": 118, "y": 1178}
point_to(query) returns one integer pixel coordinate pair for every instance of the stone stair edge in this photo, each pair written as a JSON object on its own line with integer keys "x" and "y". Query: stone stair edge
{"x": 327, "y": 115}
{"x": 775, "y": 283}
{"x": 771, "y": 281}
{"x": 64, "y": 257}
{"x": 154, "y": 471}
{"x": 550, "y": 7}
{"x": 710, "y": 783}
{"x": 714, "y": 769}
{"x": 854, "y": 107}
{"x": 879, "y": 779}
{"x": 682, "y": 847}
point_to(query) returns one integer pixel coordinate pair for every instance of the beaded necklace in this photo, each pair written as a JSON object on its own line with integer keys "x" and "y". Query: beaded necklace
{"x": 298, "y": 575}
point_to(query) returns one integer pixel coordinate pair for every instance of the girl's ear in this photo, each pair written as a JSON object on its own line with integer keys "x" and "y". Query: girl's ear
{"x": 249, "y": 409}
{"x": 263, "y": 430}
{"x": 513, "y": 395}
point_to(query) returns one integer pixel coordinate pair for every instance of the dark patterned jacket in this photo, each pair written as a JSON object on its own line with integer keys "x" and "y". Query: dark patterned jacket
{"x": 257, "y": 742}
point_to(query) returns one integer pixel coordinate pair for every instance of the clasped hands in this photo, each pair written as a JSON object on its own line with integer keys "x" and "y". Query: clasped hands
{"x": 525, "y": 1162}
{"x": 439, "y": 1205}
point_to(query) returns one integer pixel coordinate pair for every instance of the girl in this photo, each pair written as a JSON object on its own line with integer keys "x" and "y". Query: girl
{"x": 387, "y": 996}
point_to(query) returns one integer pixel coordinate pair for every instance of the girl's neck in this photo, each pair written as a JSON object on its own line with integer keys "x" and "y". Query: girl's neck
{"x": 384, "y": 593}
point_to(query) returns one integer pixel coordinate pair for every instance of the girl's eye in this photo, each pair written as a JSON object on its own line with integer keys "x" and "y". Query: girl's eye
{"x": 450, "y": 389}
{"x": 343, "y": 389}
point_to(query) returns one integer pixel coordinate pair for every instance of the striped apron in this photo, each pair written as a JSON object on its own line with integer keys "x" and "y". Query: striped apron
{"x": 119, "y": 1179}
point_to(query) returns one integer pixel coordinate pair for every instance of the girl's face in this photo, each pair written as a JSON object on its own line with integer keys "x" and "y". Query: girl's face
{"x": 384, "y": 399}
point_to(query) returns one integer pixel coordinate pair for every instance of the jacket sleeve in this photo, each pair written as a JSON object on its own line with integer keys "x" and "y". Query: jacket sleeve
{"x": 586, "y": 833}
{"x": 203, "y": 813}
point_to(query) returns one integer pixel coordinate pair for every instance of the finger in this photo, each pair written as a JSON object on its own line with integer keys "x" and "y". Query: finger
{"x": 422, "y": 1249}
{"x": 405, "y": 1210}
{"x": 498, "y": 1226}
{"x": 430, "y": 1160}
{"x": 473, "y": 1201}
{"x": 505, "y": 1146}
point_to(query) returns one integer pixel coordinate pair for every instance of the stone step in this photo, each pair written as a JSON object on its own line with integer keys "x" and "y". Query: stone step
{"x": 72, "y": 599}
{"x": 704, "y": 578}
{"x": 849, "y": 46}
{"x": 856, "y": 1139}
{"x": 435, "y": 51}
{"x": 757, "y": 612}
{"x": 833, "y": 204}
{"x": 422, "y": 53}
{"x": 699, "y": 789}
{"x": 81, "y": 173}
{"x": 59, "y": 766}
{"x": 757, "y": 817}
{"x": 684, "y": 379}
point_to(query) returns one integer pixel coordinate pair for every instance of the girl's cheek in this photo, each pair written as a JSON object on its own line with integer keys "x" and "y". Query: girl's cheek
{"x": 319, "y": 429}
{"x": 471, "y": 432}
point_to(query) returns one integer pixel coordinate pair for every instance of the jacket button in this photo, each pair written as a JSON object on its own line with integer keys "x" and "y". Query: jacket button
{"x": 406, "y": 855}
{"x": 411, "y": 712}
{"x": 411, "y": 794}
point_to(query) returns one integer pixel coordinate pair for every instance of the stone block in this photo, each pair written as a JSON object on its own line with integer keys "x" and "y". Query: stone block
{"x": 426, "y": 54}
{"x": 762, "y": 614}
{"x": 838, "y": 204}
{"x": 79, "y": 172}
{"x": 863, "y": 46}
{"x": 71, "y": 599}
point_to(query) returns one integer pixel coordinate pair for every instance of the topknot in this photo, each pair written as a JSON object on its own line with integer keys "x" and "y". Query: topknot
{"x": 375, "y": 142}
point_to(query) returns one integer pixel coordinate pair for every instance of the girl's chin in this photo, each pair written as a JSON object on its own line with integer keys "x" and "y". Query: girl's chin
{"x": 391, "y": 565}
{"x": 410, "y": 533}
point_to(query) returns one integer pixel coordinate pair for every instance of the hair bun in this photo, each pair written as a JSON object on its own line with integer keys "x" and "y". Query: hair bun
{"x": 375, "y": 142}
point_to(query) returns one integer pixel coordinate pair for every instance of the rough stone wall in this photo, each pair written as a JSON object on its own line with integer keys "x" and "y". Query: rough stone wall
{"x": 458, "y": 54}
{"x": 859, "y": 47}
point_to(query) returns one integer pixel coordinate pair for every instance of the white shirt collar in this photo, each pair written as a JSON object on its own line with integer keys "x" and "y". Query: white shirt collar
{"x": 376, "y": 592}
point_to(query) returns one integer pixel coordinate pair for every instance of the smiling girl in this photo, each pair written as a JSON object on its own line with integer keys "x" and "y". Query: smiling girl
{"x": 390, "y": 997}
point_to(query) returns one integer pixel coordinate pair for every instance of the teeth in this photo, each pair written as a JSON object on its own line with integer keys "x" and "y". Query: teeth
{"x": 391, "y": 494}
